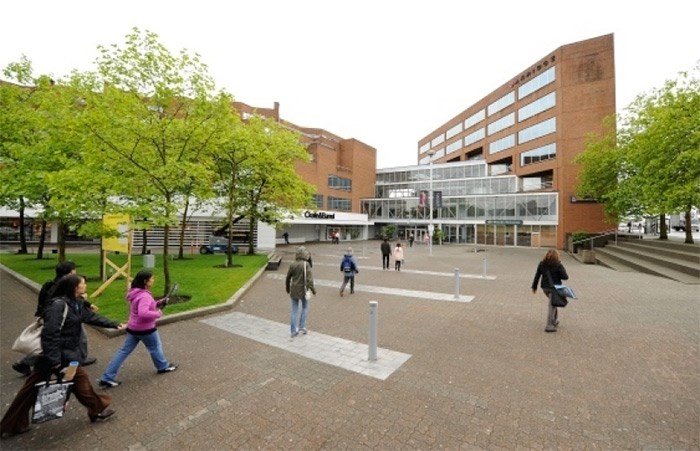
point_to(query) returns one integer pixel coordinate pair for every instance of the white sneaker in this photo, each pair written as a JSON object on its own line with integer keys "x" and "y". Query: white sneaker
{"x": 304, "y": 331}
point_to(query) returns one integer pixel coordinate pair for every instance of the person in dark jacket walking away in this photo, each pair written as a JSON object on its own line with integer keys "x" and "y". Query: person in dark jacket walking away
{"x": 24, "y": 366}
{"x": 300, "y": 278}
{"x": 348, "y": 267}
{"x": 552, "y": 273}
{"x": 386, "y": 253}
{"x": 61, "y": 345}
{"x": 141, "y": 327}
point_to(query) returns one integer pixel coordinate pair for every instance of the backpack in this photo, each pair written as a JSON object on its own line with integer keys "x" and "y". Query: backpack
{"x": 347, "y": 265}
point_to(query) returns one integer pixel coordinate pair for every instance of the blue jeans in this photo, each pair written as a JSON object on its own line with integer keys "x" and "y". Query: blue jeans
{"x": 302, "y": 318}
{"x": 152, "y": 343}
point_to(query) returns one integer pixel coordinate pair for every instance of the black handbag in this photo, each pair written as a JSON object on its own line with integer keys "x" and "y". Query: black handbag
{"x": 555, "y": 298}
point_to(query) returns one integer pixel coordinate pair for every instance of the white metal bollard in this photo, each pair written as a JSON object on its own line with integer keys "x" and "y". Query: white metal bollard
{"x": 456, "y": 283}
{"x": 483, "y": 267}
{"x": 373, "y": 317}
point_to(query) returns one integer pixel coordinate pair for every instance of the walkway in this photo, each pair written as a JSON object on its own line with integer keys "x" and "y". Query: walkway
{"x": 622, "y": 372}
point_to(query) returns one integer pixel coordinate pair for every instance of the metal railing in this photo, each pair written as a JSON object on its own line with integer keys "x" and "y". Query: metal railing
{"x": 591, "y": 239}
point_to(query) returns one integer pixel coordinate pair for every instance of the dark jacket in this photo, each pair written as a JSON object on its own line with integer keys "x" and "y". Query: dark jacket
{"x": 61, "y": 345}
{"x": 46, "y": 294}
{"x": 294, "y": 282}
{"x": 557, "y": 272}
{"x": 386, "y": 249}
{"x": 348, "y": 266}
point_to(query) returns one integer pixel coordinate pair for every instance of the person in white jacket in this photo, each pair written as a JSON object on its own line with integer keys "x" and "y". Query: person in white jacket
{"x": 398, "y": 257}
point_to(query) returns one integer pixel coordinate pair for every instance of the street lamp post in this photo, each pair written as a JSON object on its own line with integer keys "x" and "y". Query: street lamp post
{"x": 431, "y": 227}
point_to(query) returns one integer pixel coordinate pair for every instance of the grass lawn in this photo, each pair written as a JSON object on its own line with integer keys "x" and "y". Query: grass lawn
{"x": 199, "y": 276}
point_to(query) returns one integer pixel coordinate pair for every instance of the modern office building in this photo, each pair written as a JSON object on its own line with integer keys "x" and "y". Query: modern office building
{"x": 502, "y": 169}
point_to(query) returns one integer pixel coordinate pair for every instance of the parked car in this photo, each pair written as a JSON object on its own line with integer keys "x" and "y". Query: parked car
{"x": 694, "y": 225}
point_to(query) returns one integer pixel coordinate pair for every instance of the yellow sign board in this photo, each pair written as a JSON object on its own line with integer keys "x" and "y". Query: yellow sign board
{"x": 120, "y": 223}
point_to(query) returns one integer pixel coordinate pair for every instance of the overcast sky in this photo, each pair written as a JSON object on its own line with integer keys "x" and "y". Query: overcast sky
{"x": 384, "y": 72}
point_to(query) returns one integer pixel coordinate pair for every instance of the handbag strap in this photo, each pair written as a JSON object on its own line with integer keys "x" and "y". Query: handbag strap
{"x": 305, "y": 275}
{"x": 549, "y": 276}
{"x": 65, "y": 313}
{"x": 59, "y": 376}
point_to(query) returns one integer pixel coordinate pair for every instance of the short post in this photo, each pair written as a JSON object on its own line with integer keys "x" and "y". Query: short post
{"x": 483, "y": 267}
{"x": 456, "y": 283}
{"x": 373, "y": 314}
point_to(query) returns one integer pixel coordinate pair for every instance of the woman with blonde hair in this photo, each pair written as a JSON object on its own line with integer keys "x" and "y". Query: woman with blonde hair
{"x": 552, "y": 273}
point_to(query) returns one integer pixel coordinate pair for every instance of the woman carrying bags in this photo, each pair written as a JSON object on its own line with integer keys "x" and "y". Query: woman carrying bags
{"x": 552, "y": 273}
{"x": 60, "y": 343}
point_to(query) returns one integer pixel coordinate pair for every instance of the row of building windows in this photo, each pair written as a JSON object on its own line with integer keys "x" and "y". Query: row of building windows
{"x": 504, "y": 102}
{"x": 339, "y": 204}
{"x": 527, "y": 111}
{"x": 546, "y": 152}
{"x": 501, "y": 124}
{"x": 340, "y": 183}
{"x": 334, "y": 203}
{"x": 464, "y": 187}
{"x": 526, "y": 207}
{"x": 447, "y": 171}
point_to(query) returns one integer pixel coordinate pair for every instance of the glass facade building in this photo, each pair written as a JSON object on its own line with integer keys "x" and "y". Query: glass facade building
{"x": 472, "y": 207}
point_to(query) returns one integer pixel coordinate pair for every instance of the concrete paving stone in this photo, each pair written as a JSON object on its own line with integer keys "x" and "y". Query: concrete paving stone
{"x": 622, "y": 371}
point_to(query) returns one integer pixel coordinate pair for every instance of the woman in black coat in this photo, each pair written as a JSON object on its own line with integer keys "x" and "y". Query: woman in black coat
{"x": 60, "y": 342}
{"x": 552, "y": 272}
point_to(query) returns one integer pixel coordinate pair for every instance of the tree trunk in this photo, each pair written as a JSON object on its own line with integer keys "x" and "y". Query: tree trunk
{"x": 144, "y": 240}
{"x": 183, "y": 224}
{"x": 251, "y": 229}
{"x": 62, "y": 229}
{"x": 42, "y": 241}
{"x": 663, "y": 230}
{"x": 166, "y": 260}
{"x": 229, "y": 243}
{"x": 22, "y": 228}
{"x": 688, "y": 228}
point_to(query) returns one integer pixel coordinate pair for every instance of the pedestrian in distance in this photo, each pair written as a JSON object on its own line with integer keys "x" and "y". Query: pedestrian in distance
{"x": 286, "y": 237}
{"x": 24, "y": 366}
{"x": 552, "y": 272}
{"x": 385, "y": 247}
{"x": 60, "y": 343}
{"x": 348, "y": 267}
{"x": 411, "y": 238}
{"x": 299, "y": 280}
{"x": 398, "y": 257}
{"x": 144, "y": 310}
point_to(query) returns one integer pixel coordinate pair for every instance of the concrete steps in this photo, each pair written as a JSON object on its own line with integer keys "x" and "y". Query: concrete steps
{"x": 673, "y": 260}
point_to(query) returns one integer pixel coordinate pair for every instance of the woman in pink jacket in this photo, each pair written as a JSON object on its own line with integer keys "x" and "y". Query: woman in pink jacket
{"x": 143, "y": 313}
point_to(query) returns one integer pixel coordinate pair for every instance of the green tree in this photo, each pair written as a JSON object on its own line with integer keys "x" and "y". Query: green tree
{"x": 153, "y": 119}
{"x": 256, "y": 175}
{"x": 270, "y": 184}
{"x": 40, "y": 149}
{"x": 651, "y": 166}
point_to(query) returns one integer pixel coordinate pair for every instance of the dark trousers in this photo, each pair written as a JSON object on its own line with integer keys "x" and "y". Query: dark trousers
{"x": 17, "y": 416}
{"x": 347, "y": 279}
{"x": 385, "y": 261}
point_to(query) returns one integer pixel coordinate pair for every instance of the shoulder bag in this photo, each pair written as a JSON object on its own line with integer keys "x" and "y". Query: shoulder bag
{"x": 308, "y": 294}
{"x": 555, "y": 298}
{"x": 29, "y": 341}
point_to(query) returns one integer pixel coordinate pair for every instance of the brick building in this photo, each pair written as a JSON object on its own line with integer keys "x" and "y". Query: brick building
{"x": 527, "y": 132}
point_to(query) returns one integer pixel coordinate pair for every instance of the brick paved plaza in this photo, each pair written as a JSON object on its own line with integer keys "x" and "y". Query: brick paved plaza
{"x": 622, "y": 372}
